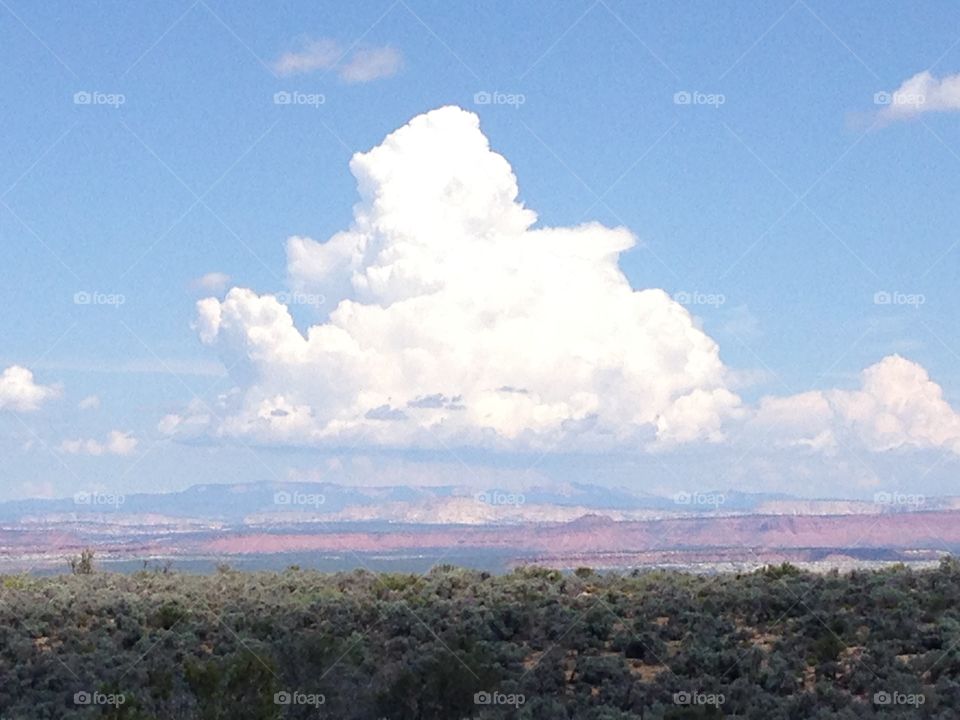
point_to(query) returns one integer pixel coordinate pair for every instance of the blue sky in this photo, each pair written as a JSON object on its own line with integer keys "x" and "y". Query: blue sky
{"x": 791, "y": 199}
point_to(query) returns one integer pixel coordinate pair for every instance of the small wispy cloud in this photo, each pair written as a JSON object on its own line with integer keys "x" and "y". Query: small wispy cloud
{"x": 371, "y": 64}
{"x": 116, "y": 443}
{"x": 361, "y": 66}
{"x": 315, "y": 55}
{"x": 922, "y": 93}
{"x": 211, "y": 282}
{"x": 91, "y": 402}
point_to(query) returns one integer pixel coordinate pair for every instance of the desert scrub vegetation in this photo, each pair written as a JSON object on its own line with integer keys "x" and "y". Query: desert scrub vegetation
{"x": 775, "y": 644}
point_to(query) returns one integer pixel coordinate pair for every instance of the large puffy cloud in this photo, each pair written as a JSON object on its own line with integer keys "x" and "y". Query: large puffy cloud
{"x": 451, "y": 319}
{"x": 897, "y": 406}
{"x": 19, "y": 391}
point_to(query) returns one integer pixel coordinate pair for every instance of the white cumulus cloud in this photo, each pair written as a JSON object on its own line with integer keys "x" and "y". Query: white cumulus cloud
{"x": 117, "y": 442}
{"x": 922, "y": 93}
{"x": 897, "y": 406}
{"x": 19, "y": 391}
{"x": 451, "y": 318}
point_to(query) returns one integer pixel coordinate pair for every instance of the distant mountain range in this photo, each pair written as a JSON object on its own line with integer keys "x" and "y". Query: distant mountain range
{"x": 552, "y": 525}
{"x": 239, "y": 503}
{"x": 246, "y": 502}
